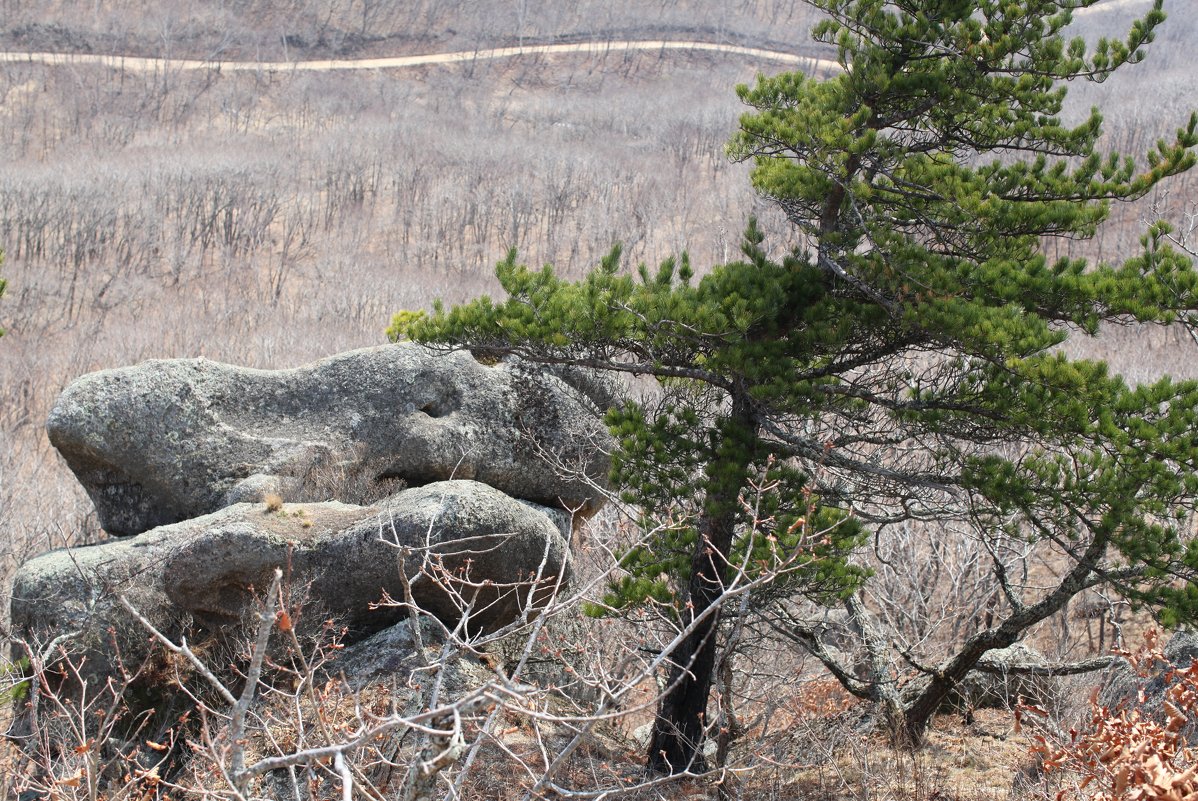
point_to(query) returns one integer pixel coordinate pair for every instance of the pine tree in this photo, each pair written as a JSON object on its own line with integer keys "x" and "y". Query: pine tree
{"x": 902, "y": 363}
{"x": 926, "y": 179}
{"x": 724, "y": 349}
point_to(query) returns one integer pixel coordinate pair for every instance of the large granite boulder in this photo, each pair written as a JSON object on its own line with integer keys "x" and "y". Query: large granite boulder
{"x": 1123, "y": 687}
{"x": 1004, "y": 678}
{"x": 167, "y": 441}
{"x": 486, "y": 552}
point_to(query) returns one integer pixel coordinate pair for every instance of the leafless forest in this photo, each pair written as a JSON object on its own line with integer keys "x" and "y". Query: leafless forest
{"x": 270, "y": 218}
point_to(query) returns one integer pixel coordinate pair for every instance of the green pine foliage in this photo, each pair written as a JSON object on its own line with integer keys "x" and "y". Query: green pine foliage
{"x": 699, "y": 338}
{"x": 14, "y": 676}
{"x": 782, "y": 531}
{"x": 902, "y": 362}
{"x": 926, "y": 177}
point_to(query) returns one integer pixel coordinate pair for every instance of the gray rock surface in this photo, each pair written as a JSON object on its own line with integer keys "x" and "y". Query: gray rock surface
{"x": 1122, "y": 686}
{"x": 391, "y": 656}
{"x": 195, "y": 578}
{"x": 167, "y": 441}
{"x": 387, "y": 671}
{"x": 1001, "y": 685}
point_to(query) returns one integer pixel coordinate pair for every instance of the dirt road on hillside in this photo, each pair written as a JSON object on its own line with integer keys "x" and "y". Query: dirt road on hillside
{"x": 137, "y": 64}
{"x": 140, "y": 64}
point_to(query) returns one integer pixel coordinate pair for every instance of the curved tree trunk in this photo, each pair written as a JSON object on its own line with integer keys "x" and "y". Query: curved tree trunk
{"x": 918, "y": 712}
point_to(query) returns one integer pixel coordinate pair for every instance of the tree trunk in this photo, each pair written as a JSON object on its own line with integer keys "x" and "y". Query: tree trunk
{"x": 677, "y": 742}
{"x": 918, "y": 713}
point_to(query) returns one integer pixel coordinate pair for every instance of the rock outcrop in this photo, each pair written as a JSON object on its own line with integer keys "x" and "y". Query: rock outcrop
{"x": 1123, "y": 687}
{"x": 1004, "y": 678}
{"x": 469, "y": 546}
{"x": 363, "y": 476}
{"x": 167, "y": 441}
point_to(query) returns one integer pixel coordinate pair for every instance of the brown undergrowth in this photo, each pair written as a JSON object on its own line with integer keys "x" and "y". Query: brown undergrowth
{"x": 816, "y": 744}
{"x": 1137, "y": 749}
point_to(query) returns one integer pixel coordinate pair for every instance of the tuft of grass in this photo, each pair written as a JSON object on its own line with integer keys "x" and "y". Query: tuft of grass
{"x": 273, "y": 501}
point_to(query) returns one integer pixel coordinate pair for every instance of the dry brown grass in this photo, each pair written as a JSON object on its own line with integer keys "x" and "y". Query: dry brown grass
{"x": 969, "y": 762}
